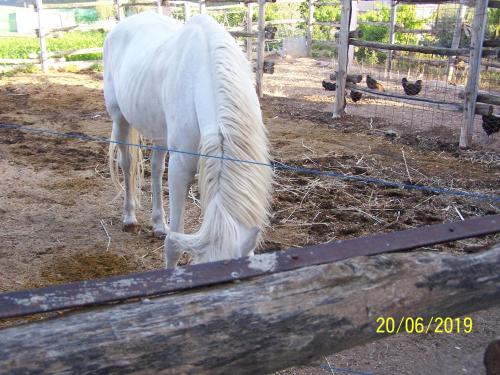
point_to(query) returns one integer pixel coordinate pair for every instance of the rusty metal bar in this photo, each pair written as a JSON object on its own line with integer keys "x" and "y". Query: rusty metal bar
{"x": 153, "y": 283}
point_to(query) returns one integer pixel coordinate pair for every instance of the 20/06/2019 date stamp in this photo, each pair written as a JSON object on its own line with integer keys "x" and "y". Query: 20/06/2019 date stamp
{"x": 420, "y": 325}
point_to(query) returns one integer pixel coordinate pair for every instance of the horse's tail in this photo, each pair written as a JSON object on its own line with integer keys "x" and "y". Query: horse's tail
{"x": 136, "y": 163}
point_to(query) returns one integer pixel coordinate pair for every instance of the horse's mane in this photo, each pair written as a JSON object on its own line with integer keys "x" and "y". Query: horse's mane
{"x": 231, "y": 192}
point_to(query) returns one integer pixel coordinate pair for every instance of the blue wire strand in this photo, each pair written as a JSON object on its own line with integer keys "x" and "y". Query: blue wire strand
{"x": 275, "y": 165}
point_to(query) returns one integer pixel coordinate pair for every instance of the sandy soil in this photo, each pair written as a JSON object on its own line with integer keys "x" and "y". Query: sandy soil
{"x": 56, "y": 196}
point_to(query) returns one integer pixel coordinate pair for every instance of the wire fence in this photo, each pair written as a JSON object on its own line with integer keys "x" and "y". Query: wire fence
{"x": 274, "y": 165}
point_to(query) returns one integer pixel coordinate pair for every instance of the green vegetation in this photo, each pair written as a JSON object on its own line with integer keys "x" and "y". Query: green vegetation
{"x": 21, "y": 48}
{"x": 406, "y": 17}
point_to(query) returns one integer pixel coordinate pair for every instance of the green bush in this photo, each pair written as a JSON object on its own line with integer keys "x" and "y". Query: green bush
{"x": 406, "y": 16}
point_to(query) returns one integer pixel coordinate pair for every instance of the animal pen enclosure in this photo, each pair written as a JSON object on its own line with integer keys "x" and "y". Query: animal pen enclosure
{"x": 389, "y": 40}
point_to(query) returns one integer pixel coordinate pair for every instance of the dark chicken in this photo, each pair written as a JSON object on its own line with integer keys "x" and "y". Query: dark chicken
{"x": 355, "y": 96}
{"x": 373, "y": 84}
{"x": 491, "y": 123}
{"x": 329, "y": 86}
{"x": 411, "y": 88}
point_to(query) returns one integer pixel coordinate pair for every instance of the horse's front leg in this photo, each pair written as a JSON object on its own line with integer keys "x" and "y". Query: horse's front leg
{"x": 181, "y": 171}
{"x": 157, "y": 170}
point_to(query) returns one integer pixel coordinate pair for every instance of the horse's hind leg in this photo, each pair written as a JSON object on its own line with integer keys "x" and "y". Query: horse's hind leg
{"x": 157, "y": 170}
{"x": 121, "y": 129}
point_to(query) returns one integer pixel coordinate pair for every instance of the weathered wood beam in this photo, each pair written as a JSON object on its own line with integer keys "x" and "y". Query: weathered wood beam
{"x": 403, "y": 47}
{"x": 491, "y": 42}
{"x": 483, "y": 109}
{"x": 327, "y": 23}
{"x": 414, "y": 31}
{"x": 466, "y": 2}
{"x": 259, "y": 325}
{"x": 494, "y": 4}
{"x": 244, "y": 34}
{"x": 390, "y": 95}
{"x": 352, "y": 78}
{"x": 484, "y": 97}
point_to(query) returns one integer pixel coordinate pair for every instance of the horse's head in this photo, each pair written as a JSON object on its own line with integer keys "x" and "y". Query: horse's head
{"x": 203, "y": 251}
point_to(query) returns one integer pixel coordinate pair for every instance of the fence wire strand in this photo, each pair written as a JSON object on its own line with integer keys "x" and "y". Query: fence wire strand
{"x": 274, "y": 165}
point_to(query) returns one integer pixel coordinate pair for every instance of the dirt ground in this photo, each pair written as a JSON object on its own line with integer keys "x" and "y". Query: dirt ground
{"x": 56, "y": 198}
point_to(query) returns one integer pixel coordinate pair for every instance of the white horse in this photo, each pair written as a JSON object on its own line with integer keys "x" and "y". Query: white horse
{"x": 188, "y": 87}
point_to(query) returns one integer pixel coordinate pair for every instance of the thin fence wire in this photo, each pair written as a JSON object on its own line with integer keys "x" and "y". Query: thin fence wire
{"x": 274, "y": 165}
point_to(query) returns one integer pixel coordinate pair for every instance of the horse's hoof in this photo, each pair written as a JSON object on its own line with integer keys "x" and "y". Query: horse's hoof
{"x": 131, "y": 228}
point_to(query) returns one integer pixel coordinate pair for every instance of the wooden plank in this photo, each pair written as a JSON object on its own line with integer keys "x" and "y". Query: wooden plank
{"x": 483, "y": 109}
{"x": 81, "y": 51}
{"x": 390, "y": 95}
{"x": 466, "y": 2}
{"x": 290, "y": 21}
{"x": 351, "y": 78}
{"x": 143, "y": 4}
{"x": 244, "y": 34}
{"x": 414, "y": 31}
{"x": 343, "y": 59}
{"x": 473, "y": 78}
{"x": 88, "y": 4}
{"x": 403, "y": 47}
{"x": 327, "y": 23}
{"x": 260, "y": 48}
{"x": 491, "y": 42}
{"x": 259, "y": 325}
{"x": 168, "y": 281}
{"x": 19, "y": 61}
{"x": 457, "y": 32}
{"x": 484, "y": 97}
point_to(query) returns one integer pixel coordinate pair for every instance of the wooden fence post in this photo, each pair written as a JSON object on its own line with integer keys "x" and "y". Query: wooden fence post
{"x": 41, "y": 35}
{"x": 259, "y": 71}
{"x": 203, "y": 7}
{"x": 309, "y": 32}
{"x": 187, "y": 11}
{"x": 456, "y": 38}
{"x": 473, "y": 80}
{"x": 249, "y": 44}
{"x": 343, "y": 59}
{"x": 392, "y": 27}
{"x": 120, "y": 11}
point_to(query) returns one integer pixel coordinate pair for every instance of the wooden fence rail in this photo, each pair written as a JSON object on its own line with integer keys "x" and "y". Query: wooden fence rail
{"x": 259, "y": 325}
